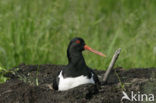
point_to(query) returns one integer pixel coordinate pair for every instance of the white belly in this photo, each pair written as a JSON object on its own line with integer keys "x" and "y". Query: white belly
{"x": 68, "y": 83}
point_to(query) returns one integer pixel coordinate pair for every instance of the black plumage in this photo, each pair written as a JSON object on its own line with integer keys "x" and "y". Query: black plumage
{"x": 76, "y": 66}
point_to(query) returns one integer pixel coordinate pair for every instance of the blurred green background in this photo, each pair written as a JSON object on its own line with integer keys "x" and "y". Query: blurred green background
{"x": 38, "y": 31}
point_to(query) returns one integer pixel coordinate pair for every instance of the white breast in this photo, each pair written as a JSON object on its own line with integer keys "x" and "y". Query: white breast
{"x": 68, "y": 83}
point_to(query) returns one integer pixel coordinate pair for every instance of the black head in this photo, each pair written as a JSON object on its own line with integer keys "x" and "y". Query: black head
{"x": 75, "y": 48}
{"x": 76, "y": 45}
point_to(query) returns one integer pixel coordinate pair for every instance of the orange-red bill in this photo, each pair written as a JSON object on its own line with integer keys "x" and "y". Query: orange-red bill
{"x": 86, "y": 47}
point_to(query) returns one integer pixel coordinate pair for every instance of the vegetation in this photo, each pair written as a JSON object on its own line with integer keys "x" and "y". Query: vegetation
{"x": 38, "y": 31}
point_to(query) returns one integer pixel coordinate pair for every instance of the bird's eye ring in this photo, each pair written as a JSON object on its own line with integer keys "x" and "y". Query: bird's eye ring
{"x": 78, "y": 41}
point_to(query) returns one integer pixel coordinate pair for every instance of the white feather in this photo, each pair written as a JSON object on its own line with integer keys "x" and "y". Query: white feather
{"x": 68, "y": 83}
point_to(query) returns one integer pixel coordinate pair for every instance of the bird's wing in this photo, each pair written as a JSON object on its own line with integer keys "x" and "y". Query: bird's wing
{"x": 56, "y": 82}
{"x": 95, "y": 77}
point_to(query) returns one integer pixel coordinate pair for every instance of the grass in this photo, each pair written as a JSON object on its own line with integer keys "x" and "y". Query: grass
{"x": 38, "y": 31}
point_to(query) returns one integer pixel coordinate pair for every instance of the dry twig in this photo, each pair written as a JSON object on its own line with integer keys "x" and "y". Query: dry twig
{"x": 111, "y": 65}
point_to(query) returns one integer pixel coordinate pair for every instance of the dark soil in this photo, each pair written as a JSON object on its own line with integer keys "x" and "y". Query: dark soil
{"x": 33, "y": 84}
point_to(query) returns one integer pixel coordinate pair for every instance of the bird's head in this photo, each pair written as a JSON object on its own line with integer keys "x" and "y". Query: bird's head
{"x": 77, "y": 45}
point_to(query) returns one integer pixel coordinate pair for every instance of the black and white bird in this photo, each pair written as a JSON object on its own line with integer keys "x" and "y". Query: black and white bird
{"x": 76, "y": 72}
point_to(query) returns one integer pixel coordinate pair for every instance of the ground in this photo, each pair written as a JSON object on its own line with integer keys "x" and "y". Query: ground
{"x": 32, "y": 84}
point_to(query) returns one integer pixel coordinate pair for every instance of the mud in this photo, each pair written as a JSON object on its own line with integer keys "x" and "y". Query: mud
{"x": 33, "y": 84}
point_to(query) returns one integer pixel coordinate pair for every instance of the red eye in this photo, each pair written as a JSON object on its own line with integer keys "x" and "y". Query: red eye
{"x": 78, "y": 41}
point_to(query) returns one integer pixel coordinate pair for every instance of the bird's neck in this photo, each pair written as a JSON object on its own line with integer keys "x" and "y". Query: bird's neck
{"x": 76, "y": 59}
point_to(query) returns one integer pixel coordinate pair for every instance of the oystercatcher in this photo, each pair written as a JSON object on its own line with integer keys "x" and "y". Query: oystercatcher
{"x": 76, "y": 72}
